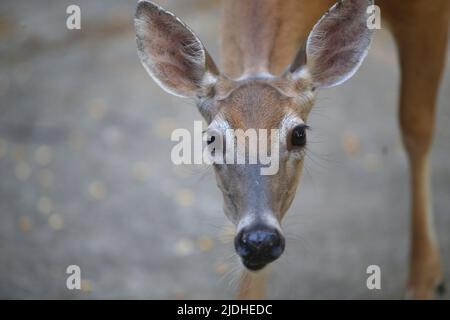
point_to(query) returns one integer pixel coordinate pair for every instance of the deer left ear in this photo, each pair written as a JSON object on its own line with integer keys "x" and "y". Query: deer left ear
{"x": 172, "y": 54}
{"x": 337, "y": 45}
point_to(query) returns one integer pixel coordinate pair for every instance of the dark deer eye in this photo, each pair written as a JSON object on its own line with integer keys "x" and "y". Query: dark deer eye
{"x": 210, "y": 140}
{"x": 298, "y": 136}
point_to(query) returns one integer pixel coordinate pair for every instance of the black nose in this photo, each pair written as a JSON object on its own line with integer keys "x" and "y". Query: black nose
{"x": 258, "y": 246}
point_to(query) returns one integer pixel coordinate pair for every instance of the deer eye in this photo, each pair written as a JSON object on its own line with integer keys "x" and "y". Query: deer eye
{"x": 210, "y": 140}
{"x": 298, "y": 136}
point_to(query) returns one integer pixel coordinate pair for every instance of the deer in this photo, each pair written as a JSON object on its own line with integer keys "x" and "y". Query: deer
{"x": 276, "y": 55}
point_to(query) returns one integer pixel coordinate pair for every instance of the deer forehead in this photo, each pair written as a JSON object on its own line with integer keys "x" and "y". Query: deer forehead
{"x": 261, "y": 105}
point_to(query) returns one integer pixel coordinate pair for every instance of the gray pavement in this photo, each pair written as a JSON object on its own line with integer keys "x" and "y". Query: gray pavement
{"x": 86, "y": 176}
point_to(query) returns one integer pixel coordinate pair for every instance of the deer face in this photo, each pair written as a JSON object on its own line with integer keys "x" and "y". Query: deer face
{"x": 255, "y": 202}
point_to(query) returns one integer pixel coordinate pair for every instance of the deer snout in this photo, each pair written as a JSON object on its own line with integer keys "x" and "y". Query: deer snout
{"x": 258, "y": 246}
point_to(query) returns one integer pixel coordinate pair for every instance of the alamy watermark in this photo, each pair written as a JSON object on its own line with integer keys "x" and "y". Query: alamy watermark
{"x": 73, "y": 281}
{"x": 73, "y": 21}
{"x": 374, "y": 20}
{"x": 374, "y": 280}
{"x": 234, "y": 146}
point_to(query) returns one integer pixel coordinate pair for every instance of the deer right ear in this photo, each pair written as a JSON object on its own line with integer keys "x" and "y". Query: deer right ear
{"x": 337, "y": 45}
{"x": 172, "y": 54}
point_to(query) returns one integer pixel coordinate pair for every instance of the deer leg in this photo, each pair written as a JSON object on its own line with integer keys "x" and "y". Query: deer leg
{"x": 252, "y": 286}
{"x": 422, "y": 43}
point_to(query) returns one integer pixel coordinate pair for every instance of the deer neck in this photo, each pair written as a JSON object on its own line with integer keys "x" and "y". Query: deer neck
{"x": 259, "y": 37}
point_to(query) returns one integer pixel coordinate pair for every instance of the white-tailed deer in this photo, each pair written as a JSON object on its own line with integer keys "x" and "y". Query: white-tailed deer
{"x": 277, "y": 54}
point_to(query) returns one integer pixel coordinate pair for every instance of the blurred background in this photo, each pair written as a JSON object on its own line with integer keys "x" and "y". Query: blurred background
{"x": 86, "y": 175}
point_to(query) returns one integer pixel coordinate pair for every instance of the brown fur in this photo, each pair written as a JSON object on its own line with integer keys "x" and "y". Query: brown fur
{"x": 263, "y": 85}
{"x": 265, "y": 35}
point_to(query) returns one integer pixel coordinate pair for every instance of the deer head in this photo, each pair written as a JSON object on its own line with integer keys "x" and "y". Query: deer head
{"x": 177, "y": 60}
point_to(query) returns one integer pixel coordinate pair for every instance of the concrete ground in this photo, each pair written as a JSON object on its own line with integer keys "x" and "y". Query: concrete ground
{"x": 86, "y": 176}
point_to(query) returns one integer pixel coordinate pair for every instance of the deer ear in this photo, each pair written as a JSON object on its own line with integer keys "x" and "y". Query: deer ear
{"x": 172, "y": 54}
{"x": 337, "y": 45}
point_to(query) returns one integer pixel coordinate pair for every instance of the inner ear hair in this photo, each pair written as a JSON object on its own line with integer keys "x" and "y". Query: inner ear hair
{"x": 172, "y": 54}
